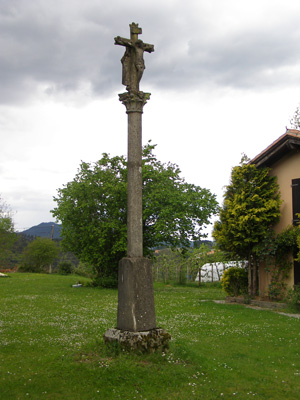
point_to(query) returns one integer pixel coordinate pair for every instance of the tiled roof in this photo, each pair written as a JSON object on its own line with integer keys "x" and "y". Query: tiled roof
{"x": 289, "y": 141}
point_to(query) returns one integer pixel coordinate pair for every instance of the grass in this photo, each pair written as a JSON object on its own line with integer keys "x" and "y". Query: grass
{"x": 52, "y": 347}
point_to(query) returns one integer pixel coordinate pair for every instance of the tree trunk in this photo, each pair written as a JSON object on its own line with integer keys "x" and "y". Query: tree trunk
{"x": 250, "y": 285}
{"x": 218, "y": 272}
{"x": 254, "y": 277}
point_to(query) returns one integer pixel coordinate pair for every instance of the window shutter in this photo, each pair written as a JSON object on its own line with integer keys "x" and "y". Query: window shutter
{"x": 296, "y": 200}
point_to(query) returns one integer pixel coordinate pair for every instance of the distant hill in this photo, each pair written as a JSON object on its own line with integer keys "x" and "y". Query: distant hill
{"x": 44, "y": 230}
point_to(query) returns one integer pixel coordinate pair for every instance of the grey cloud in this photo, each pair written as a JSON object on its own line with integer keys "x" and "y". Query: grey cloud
{"x": 62, "y": 48}
{"x": 251, "y": 59}
{"x": 51, "y": 52}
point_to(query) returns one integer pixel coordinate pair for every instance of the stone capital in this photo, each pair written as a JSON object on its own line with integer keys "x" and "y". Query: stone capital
{"x": 134, "y": 101}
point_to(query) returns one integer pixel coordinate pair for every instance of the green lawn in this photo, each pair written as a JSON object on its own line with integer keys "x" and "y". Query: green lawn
{"x": 52, "y": 347}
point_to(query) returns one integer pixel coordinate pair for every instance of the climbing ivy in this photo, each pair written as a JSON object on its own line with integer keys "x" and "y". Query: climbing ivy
{"x": 280, "y": 255}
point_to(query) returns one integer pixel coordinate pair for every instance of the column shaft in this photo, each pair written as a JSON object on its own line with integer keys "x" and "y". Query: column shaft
{"x": 134, "y": 179}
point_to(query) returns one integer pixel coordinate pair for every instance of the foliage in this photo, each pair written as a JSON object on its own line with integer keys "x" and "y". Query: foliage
{"x": 285, "y": 246}
{"x": 287, "y": 241}
{"x": 65, "y": 268}
{"x": 166, "y": 266}
{"x": 200, "y": 256}
{"x": 277, "y": 287}
{"x": 180, "y": 266}
{"x": 171, "y": 266}
{"x": 278, "y": 253}
{"x": 298, "y": 242}
{"x": 104, "y": 281}
{"x": 38, "y": 255}
{"x": 19, "y": 245}
{"x": 251, "y": 207}
{"x": 235, "y": 281}
{"x": 7, "y": 235}
{"x": 293, "y": 296}
{"x": 205, "y": 255}
{"x": 84, "y": 269}
{"x": 92, "y": 210}
{"x": 295, "y": 120}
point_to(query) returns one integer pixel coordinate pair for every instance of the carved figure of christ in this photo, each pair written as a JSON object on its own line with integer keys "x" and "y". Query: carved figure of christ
{"x": 133, "y": 59}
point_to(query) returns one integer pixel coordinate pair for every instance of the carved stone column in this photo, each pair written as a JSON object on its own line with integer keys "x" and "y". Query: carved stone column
{"x": 134, "y": 103}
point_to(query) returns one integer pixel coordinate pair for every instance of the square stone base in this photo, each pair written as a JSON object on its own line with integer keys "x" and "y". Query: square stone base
{"x": 136, "y": 310}
{"x": 144, "y": 342}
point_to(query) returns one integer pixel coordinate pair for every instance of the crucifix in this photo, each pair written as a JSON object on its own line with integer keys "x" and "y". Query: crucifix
{"x": 133, "y": 59}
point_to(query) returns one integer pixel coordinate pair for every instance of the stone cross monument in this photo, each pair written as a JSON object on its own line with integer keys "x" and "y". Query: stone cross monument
{"x": 134, "y": 101}
{"x": 136, "y": 323}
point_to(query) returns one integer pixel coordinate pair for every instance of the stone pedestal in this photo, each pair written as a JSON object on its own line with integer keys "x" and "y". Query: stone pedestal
{"x": 144, "y": 342}
{"x": 136, "y": 310}
{"x": 136, "y": 324}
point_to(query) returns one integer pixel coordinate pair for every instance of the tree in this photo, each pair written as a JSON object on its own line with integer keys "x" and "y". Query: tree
{"x": 251, "y": 207}
{"x": 92, "y": 210}
{"x": 295, "y": 120}
{"x": 7, "y": 234}
{"x": 39, "y": 254}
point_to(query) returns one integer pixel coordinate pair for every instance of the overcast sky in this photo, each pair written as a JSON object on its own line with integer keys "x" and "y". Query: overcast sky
{"x": 224, "y": 80}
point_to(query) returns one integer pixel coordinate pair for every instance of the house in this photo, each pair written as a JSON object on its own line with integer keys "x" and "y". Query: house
{"x": 283, "y": 158}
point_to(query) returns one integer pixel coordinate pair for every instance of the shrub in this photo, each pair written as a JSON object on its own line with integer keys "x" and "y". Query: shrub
{"x": 65, "y": 268}
{"x": 276, "y": 289}
{"x": 27, "y": 267}
{"x": 235, "y": 281}
{"x": 293, "y": 296}
{"x": 39, "y": 255}
{"x": 85, "y": 269}
{"x": 107, "y": 282}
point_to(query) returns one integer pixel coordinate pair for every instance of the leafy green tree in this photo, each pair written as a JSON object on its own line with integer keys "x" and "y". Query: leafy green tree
{"x": 92, "y": 210}
{"x": 198, "y": 257}
{"x": 7, "y": 234}
{"x": 39, "y": 254}
{"x": 251, "y": 207}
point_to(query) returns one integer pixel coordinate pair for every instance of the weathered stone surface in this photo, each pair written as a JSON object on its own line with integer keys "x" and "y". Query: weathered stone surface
{"x": 134, "y": 101}
{"x": 136, "y": 309}
{"x": 145, "y": 342}
{"x": 133, "y": 59}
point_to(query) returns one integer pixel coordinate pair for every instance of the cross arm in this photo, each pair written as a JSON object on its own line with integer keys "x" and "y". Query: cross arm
{"x": 123, "y": 42}
{"x": 148, "y": 47}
